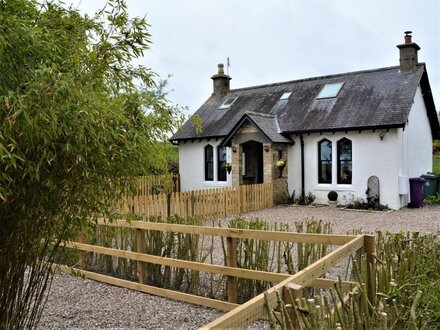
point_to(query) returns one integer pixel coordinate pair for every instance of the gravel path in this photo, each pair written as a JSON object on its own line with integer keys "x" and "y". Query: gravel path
{"x": 75, "y": 303}
{"x": 425, "y": 220}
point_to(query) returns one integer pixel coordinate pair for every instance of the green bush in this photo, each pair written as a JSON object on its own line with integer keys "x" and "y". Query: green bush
{"x": 436, "y": 164}
{"x": 431, "y": 200}
{"x": 332, "y": 196}
{"x": 436, "y": 147}
{"x": 360, "y": 204}
{"x": 79, "y": 121}
{"x": 306, "y": 199}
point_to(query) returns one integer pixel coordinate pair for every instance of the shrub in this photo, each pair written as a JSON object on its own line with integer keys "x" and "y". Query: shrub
{"x": 360, "y": 204}
{"x": 310, "y": 198}
{"x": 436, "y": 164}
{"x": 78, "y": 123}
{"x": 306, "y": 200}
{"x": 332, "y": 196}
{"x": 431, "y": 200}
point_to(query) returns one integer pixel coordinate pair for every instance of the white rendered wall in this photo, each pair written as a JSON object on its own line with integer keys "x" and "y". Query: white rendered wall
{"x": 418, "y": 139}
{"x": 192, "y": 166}
{"x": 401, "y": 153}
{"x": 370, "y": 156}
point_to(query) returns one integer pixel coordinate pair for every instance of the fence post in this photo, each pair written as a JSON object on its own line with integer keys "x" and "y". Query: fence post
{"x": 187, "y": 204}
{"x": 82, "y": 254}
{"x": 369, "y": 246}
{"x": 192, "y": 203}
{"x": 168, "y": 205}
{"x": 241, "y": 198}
{"x": 226, "y": 192}
{"x": 358, "y": 257}
{"x": 140, "y": 242}
{"x": 292, "y": 291}
{"x": 231, "y": 261}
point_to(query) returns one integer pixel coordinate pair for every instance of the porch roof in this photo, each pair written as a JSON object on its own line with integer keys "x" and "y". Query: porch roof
{"x": 267, "y": 124}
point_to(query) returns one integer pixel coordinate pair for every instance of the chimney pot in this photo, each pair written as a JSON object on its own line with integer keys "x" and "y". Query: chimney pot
{"x": 408, "y": 37}
{"x": 220, "y": 68}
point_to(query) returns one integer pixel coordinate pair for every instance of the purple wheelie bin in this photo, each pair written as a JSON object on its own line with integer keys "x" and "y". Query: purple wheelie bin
{"x": 416, "y": 192}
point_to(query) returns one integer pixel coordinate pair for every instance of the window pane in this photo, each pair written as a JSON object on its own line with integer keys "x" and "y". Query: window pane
{"x": 344, "y": 161}
{"x": 209, "y": 163}
{"x": 228, "y": 103}
{"x": 285, "y": 96}
{"x": 325, "y": 162}
{"x": 221, "y": 171}
{"x": 330, "y": 90}
{"x": 210, "y": 172}
{"x": 209, "y": 154}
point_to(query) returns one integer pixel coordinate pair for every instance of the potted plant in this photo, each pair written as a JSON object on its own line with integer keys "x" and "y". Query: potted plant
{"x": 332, "y": 198}
{"x": 228, "y": 167}
{"x": 280, "y": 164}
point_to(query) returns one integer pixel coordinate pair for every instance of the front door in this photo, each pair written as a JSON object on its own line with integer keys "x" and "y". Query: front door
{"x": 252, "y": 163}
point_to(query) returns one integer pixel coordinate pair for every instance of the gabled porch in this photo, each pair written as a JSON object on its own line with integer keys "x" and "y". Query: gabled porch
{"x": 256, "y": 146}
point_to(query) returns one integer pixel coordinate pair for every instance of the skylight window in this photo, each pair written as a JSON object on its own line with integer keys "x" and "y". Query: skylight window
{"x": 228, "y": 103}
{"x": 330, "y": 90}
{"x": 285, "y": 96}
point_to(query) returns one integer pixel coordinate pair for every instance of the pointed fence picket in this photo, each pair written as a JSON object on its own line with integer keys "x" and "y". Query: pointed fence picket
{"x": 206, "y": 204}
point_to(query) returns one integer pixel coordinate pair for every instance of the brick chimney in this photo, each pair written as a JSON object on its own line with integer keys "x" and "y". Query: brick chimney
{"x": 221, "y": 82}
{"x": 408, "y": 53}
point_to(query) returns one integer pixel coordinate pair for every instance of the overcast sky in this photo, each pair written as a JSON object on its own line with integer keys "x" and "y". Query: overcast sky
{"x": 279, "y": 40}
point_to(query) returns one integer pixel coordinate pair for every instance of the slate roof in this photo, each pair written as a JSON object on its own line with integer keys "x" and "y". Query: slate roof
{"x": 373, "y": 99}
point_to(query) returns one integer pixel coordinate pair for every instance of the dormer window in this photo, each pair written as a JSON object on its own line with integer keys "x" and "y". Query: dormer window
{"x": 330, "y": 91}
{"x": 285, "y": 96}
{"x": 228, "y": 103}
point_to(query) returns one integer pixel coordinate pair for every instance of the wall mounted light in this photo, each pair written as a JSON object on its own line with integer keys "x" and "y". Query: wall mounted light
{"x": 266, "y": 148}
{"x": 234, "y": 149}
{"x": 381, "y": 136}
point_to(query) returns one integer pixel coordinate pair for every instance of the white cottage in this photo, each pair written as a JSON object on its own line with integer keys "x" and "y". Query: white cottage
{"x": 334, "y": 132}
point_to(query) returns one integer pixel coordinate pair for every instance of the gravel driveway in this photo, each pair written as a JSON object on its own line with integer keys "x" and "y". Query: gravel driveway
{"x": 84, "y": 304}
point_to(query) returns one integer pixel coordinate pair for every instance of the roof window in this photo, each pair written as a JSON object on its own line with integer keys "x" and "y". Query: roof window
{"x": 228, "y": 103}
{"x": 285, "y": 96}
{"x": 330, "y": 90}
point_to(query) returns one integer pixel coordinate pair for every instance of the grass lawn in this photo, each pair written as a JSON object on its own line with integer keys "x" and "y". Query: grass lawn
{"x": 436, "y": 164}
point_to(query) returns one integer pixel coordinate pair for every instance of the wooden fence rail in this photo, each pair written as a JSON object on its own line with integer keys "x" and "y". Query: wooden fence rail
{"x": 206, "y": 204}
{"x": 239, "y": 315}
{"x": 254, "y": 309}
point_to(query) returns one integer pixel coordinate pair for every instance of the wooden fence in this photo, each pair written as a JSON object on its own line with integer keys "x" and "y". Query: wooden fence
{"x": 240, "y": 315}
{"x": 206, "y": 204}
{"x": 154, "y": 184}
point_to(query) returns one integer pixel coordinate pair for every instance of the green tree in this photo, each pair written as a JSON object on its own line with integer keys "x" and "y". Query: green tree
{"x": 77, "y": 122}
{"x": 167, "y": 153}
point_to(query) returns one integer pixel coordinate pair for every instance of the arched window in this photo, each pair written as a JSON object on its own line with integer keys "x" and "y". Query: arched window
{"x": 209, "y": 163}
{"x": 325, "y": 161}
{"x": 221, "y": 161}
{"x": 344, "y": 161}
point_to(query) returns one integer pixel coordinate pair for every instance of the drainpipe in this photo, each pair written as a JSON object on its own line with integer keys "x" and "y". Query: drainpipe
{"x": 301, "y": 139}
